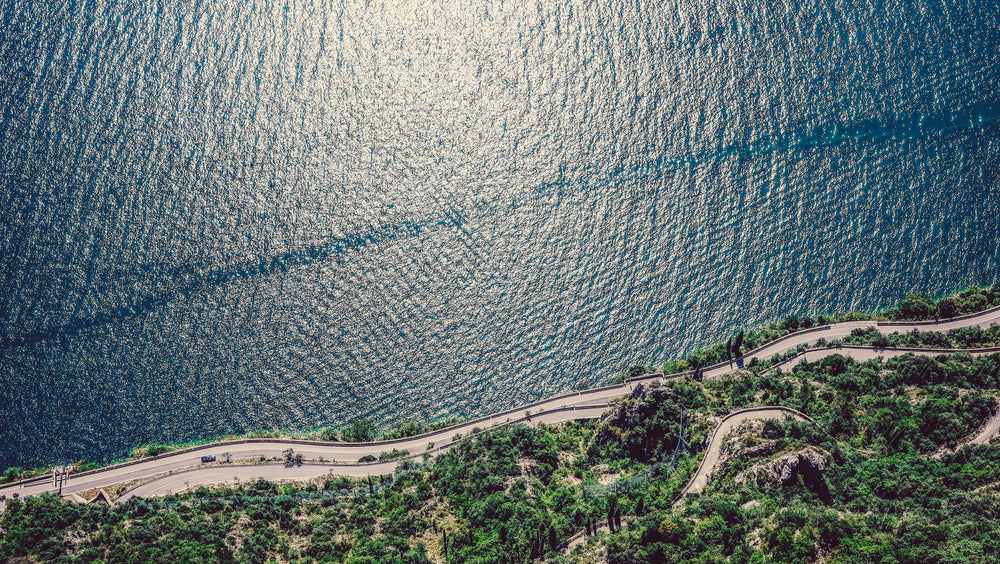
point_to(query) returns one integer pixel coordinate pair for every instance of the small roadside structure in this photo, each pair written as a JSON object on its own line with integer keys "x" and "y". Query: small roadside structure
{"x": 102, "y": 497}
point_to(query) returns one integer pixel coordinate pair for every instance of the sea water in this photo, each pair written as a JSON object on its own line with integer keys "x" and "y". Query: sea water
{"x": 220, "y": 215}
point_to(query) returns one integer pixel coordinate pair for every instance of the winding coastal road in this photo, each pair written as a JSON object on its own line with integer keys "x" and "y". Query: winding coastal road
{"x": 181, "y": 470}
{"x": 837, "y": 331}
{"x": 699, "y": 481}
{"x": 713, "y": 453}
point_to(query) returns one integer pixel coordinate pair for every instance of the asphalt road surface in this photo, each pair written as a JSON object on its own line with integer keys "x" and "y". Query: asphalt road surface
{"x": 182, "y": 469}
{"x": 714, "y": 451}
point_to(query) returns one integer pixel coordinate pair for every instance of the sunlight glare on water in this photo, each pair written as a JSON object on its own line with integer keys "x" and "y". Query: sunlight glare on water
{"x": 219, "y": 216}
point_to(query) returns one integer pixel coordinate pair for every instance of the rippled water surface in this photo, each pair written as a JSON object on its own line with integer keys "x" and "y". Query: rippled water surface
{"x": 219, "y": 215}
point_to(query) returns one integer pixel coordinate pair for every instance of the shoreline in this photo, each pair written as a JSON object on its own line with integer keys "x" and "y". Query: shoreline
{"x": 338, "y": 459}
{"x": 427, "y": 427}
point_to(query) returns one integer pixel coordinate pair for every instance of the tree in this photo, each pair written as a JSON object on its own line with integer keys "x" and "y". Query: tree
{"x": 11, "y": 474}
{"x": 697, "y": 371}
{"x": 947, "y": 308}
{"x": 711, "y": 530}
{"x": 635, "y": 370}
{"x": 917, "y": 306}
{"x": 729, "y": 349}
{"x": 359, "y": 431}
{"x": 738, "y": 344}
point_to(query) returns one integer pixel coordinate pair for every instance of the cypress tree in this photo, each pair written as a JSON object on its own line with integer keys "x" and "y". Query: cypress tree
{"x": 729, "y": 349}
{"x": 738, "y": 344}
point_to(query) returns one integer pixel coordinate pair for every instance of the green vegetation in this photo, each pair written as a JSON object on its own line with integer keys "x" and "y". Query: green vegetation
{"x": 518, "y": 493}
{"x": 414, "y": 428}
{"x": 151, "y": 449}
{"x": 357, "y": 429}
{"x": 965, "y": 338}
{"x": 12, "y": 474}
{"x": 882, "y": 498}
{"x": 502, "y": 496}
{"x": 914, "y": 307}
{"x": 921, "y": 306}
{"x": 890, "y": 487}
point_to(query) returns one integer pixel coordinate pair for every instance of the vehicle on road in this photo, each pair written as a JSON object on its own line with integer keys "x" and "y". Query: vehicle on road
{"x": 209, "y": 458}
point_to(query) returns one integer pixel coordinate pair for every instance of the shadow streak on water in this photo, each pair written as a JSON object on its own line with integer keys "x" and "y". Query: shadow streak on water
{"x": 219, "y": 276}
{"x": 833, "y": 134}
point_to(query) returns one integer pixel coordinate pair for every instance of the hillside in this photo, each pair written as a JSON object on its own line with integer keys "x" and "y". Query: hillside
{"x": 880, "y": 472}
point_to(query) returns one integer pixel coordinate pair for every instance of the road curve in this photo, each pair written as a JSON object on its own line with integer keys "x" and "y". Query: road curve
{"x": 837, "y": 331}
{"x": 714, "y": 451}
{"x": 699, "y": 480}
{"x": 864, "y": 354}
{"x": 987, "y": 431}
{"x": 342, "y": 458}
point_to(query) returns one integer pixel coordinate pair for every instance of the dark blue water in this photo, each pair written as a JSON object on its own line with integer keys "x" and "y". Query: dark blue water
{"x": 218, "y": 216}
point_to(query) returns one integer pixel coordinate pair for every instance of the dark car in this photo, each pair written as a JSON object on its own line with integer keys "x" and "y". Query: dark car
{"x": 209, "y": 458}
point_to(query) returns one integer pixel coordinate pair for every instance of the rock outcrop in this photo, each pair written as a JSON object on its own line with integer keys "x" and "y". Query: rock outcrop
{"x": 785, "y": 469}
